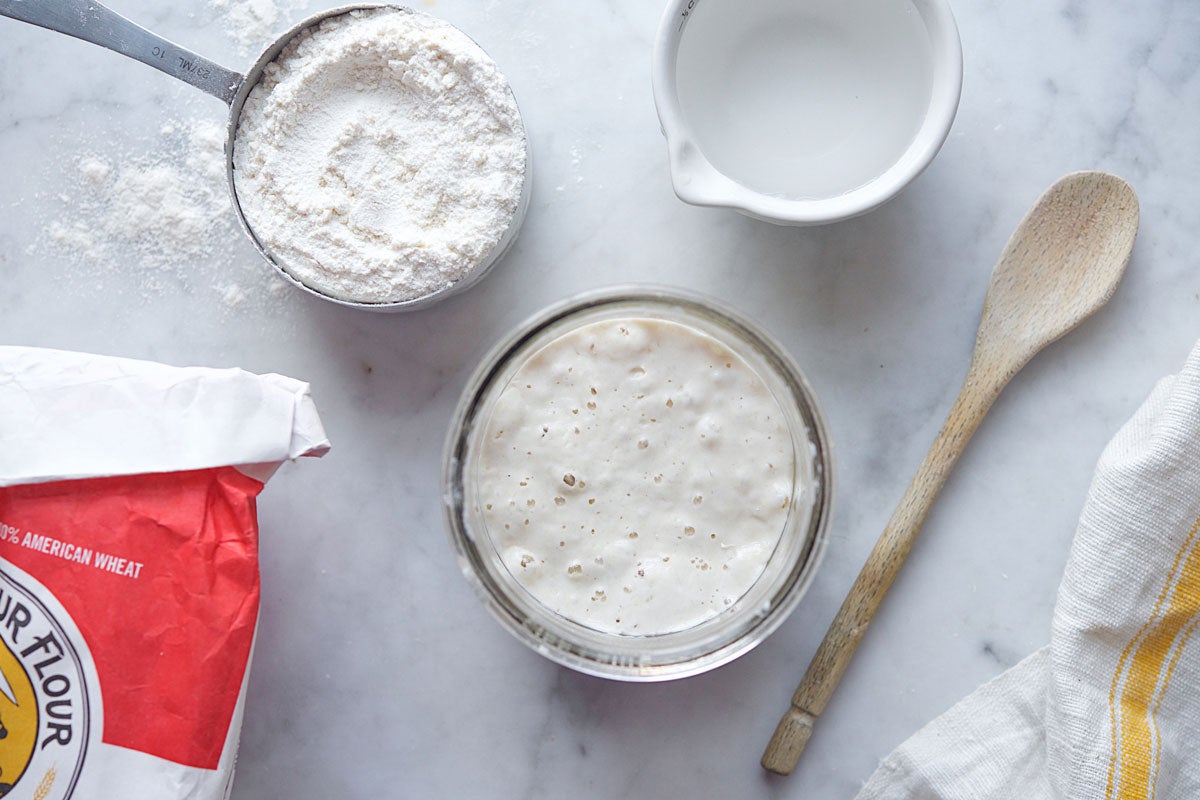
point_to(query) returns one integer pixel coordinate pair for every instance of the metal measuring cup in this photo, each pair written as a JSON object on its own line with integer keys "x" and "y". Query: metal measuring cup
{"x": 100, "y": 25}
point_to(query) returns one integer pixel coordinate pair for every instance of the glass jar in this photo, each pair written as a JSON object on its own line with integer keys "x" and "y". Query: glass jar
{"x": 715, "y": 641}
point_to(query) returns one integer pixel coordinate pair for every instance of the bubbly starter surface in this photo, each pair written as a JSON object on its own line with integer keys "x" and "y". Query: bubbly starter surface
{"x": 636, "y": 476}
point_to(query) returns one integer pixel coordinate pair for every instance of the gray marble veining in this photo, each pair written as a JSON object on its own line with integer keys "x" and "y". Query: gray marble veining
{"x": 377, "y": 673}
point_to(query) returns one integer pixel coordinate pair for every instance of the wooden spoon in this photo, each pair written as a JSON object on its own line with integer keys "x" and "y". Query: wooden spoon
{"x": 1063, "y": 263}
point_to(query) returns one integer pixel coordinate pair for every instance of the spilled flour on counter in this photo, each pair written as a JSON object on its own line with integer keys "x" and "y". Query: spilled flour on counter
{"x": 163, "y": 213}
{"x": 253, "y": 24}
{"x": 382, "y": 156}
{"x": 158, "y": 207}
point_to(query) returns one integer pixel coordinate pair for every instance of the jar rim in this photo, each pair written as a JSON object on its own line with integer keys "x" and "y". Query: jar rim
{"x": 618, "y": 656}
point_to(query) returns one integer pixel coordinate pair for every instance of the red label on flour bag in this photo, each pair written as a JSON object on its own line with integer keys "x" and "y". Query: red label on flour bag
{"x": 128, "y": 602}
{"x": 160, "y": 575}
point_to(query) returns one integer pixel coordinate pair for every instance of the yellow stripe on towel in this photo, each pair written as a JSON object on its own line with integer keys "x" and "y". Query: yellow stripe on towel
{"x": 1132, "y": 773}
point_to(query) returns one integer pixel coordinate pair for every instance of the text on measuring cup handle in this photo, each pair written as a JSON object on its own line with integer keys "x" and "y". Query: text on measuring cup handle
{"x": 687, "y": 12}
{"x": 183, "y": 64}
{"x": 195, "y": 68}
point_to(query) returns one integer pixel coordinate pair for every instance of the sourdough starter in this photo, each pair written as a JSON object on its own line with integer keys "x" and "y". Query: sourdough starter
{"x": 636, "y": 475}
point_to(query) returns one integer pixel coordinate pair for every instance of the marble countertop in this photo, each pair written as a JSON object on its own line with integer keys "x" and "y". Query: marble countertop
{"x": 377, "y": 672}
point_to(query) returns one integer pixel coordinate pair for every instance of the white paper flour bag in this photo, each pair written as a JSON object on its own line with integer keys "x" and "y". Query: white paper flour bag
{"x": 129, "y": 585}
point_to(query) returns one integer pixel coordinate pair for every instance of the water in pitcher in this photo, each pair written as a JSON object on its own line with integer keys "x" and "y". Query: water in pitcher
{"x": 805, "y": 100}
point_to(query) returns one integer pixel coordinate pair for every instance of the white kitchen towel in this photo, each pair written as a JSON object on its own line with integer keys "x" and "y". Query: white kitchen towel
{"x": 1110, "y": 709}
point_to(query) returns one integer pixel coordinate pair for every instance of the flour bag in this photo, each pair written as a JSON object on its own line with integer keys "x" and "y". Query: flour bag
{"x": 129, "y": 585}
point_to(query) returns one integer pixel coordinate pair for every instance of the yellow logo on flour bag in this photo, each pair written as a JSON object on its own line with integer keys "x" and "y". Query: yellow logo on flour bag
{"x": 18, "y": 719}
{"x": 44, "y": 710}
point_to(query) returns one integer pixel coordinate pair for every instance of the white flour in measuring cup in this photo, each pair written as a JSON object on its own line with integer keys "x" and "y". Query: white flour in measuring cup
{"x": 381, "y": 158}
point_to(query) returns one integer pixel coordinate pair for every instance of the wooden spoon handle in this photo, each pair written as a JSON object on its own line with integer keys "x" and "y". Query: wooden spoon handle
{"x": 877, "y": 575}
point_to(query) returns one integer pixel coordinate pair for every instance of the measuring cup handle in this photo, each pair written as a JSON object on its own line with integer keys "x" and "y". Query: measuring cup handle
{"x": 97, "y": 24}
